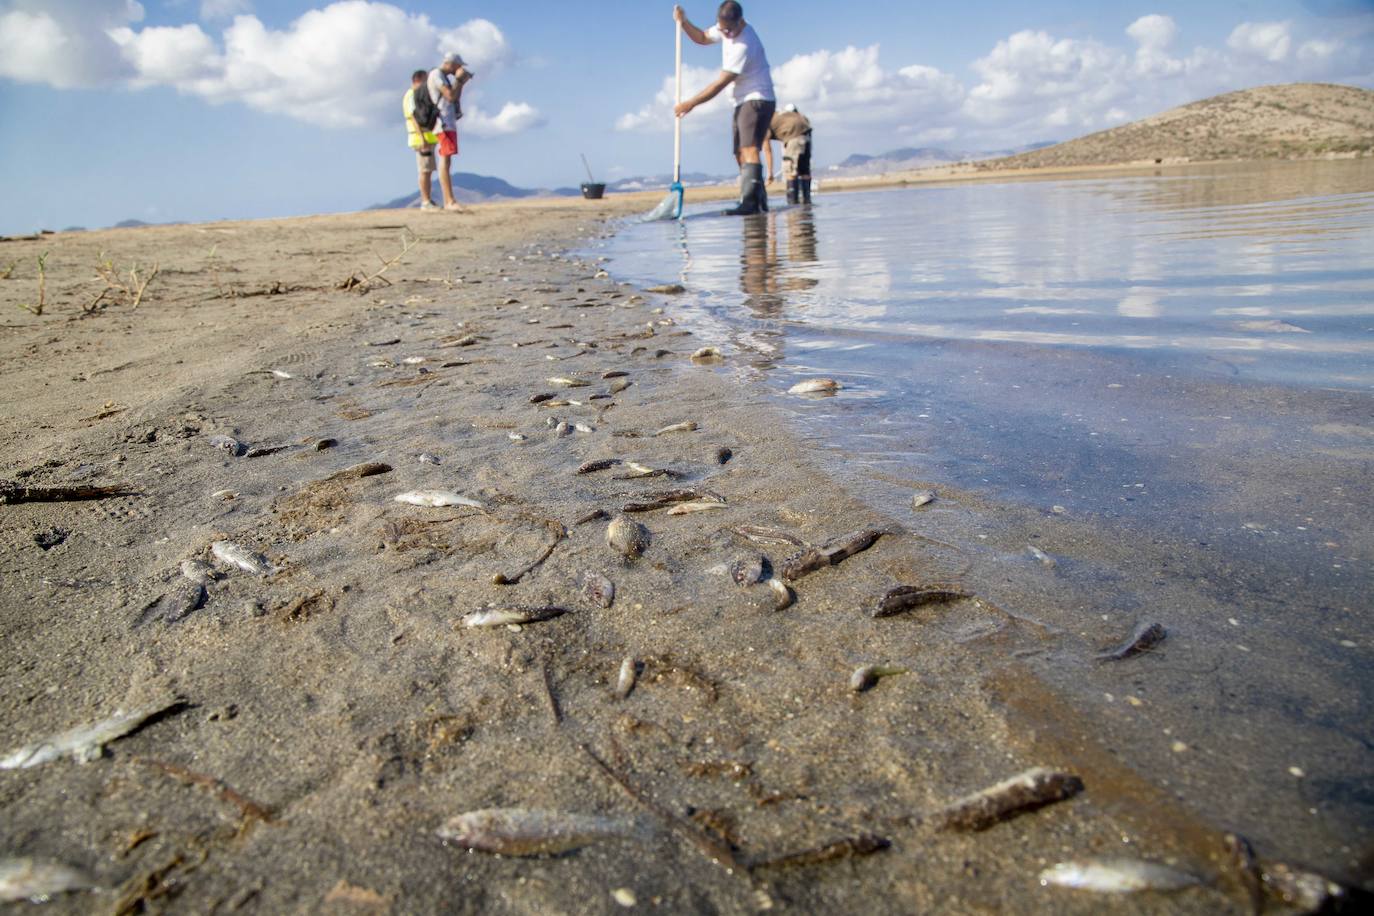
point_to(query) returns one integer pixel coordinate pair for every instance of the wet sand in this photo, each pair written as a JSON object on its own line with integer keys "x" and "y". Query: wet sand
{"x": 337, "y": 712}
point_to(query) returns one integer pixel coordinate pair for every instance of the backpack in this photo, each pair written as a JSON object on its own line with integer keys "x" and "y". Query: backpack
{"x": 426, "y": 112}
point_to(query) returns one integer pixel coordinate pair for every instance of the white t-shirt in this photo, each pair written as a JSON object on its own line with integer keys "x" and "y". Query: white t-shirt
{"x": 448, "y": 115}
{"x": 743, "y": 55}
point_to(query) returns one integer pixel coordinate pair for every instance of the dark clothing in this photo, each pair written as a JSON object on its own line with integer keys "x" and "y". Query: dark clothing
{"x": 788, "y": 124}
{"x": 751, "y": 123}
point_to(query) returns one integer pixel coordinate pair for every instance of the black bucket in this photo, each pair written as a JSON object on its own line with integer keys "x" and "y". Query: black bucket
{"x": 592, "y": 190}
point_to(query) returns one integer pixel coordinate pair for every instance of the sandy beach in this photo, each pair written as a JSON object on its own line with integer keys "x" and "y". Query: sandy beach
{"x": 318, "y": 723}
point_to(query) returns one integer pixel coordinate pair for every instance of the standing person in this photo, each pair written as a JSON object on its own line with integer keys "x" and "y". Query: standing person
{"x": 445, "y": 88}
{"x": 421, "y": 138}
{"x": 791, "y": 128}
{"x": 744, "y": 68}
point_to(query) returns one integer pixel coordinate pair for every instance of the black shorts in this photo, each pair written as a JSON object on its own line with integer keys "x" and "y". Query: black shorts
{"x": 751, "y": 123}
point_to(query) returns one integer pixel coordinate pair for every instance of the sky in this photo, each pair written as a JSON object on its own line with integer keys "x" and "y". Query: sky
{"x": 167, "y": 110}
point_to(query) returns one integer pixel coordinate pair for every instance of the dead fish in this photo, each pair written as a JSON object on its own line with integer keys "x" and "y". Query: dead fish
{"x": 436, "y": 499}
{"x": 597, "y": 464}
{"x": 704, "y": 505}
{"x": 666, "y": 289}
{"x": 922, "y": 498}
{"x": 1304, "y": 891}
{"x": 831, "y": 553}
{"x": 426, "y": 458}
{"x": 1045, "y": 559}
{"x": 584, "y": 427}
{"x": 747, "y": 571}
{"x": 241, "y": 557}
{"x": 723, "y": 455}
{"x": 627, "y": 537}
{"x": 1117, "y": 876}
{"x": 184, "y": 599}
{"x": 325, "y": 444}
{"x": 614, "y": 373}
{"x": 862, "y": 845}
{"x": 387, "y": 342}
{"x": 568, "y": 382}
{"x": 592, "y": 516}
{"x": 38, "y": 881}
{"x": 908, "y": 597}
{"x": 707, "y": 354}
{"x": 867, "y": 676}
{"x": 758, "y": 534}
{"x": 87, "y": 742}
{"x": 1032, "y": 789}
{"x": 638, "y": 470}
{"x": 198, "y": 571}
{"x": 816, "y": 386}
{"x": 515, "y": 437}
{"x": 620, "y": 385}
{"x": 542, "y": 397}
{"x": 530, "y": 832}
{"x": 647, "y": 502}
{"x": 625, "y": 679}
{"x": 225, "y": 495}
{"x": 598, "y": 590}
{"x": 359, "y": 471}
{"x": 505, "y": 616}
{"x": 783, "y": 596}
{"x": 280, "y": 373}
{"x": 228, "y": 444}
{"x": 686, "y": 426}
{"x": 262, "y": 451}
{"x": 1145, "y": 638}
{"x": 562, "y": 428}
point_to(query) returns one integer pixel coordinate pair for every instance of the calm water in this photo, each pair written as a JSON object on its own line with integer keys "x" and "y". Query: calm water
{"x": 1164, "y": 380}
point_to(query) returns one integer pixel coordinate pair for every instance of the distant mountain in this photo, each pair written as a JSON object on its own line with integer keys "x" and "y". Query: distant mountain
{"x": 1292, "y": 121}
{"x": 910, "y": 158}
{"x": 130, "y": 224}
{"x": 468, "y": 187}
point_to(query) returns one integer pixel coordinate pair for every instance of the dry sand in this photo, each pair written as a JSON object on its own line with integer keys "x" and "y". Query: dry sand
{"x": 338, "y": 713}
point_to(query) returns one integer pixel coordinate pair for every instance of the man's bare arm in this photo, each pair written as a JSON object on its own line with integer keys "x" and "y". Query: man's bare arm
{"x": 768, "y": 150}
{"x": 691, "y": 31}
{"x": 707, "y": 94}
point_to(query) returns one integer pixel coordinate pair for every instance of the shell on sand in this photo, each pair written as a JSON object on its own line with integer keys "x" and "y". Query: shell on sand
{"x": 816, "y": 386}
{"x": 627, "y": 537}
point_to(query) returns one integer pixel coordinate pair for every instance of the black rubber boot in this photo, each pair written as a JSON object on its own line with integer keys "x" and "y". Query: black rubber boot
{"x": 751, "y": 177}
{"x": 763, "y": 196}
{"x": 793, "y": 190}
{"x": 805, "y": 190}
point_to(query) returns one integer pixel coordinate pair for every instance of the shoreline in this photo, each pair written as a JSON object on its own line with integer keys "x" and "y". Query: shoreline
{"x": 341, "y": 692}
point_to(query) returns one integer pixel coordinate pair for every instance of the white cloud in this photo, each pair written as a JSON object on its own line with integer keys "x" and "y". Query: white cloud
{"x": 1154, "y": 34}
{"x": 658, "y": 114}
{"x": 344, "y": 65}
{"x": 216, "y": 10}
{"x": 1268, "y": 41}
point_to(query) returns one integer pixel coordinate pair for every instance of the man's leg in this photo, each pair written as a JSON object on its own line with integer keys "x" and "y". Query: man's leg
{"x": 425, "y": 161}
{"x": 750, "y": 169}
{"x": 446, "y": 180}
{"x": 804, "y": 172}
{"x": 789, "y": 169}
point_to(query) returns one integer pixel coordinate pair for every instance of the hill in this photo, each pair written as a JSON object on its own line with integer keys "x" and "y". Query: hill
{"x": 1292, "y": 121}
{"x": 908, "y": 158}
{"x": 468, "y": 187}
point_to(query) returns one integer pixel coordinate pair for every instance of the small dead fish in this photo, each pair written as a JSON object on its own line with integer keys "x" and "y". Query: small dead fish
{"x": 386, "y": 342}
{"x": 686, "y": 426}
{"x": 225, "y": 495}
{"x": 184, "y": 599}
{"x": 598, "y": 590}
{"x": 85, "y": 743}
{"x": 1117, "y": 876}
{"x": 666, "y": 289}
{"x": 638, "y": 470}
{"x": 237, "y": 555}
{"x": 1304, "y": 891}
{"x": 542, "y": 397}
{"x": 747, "y": 571}
{"x": 228, "y": 444}
{"x": 38, "y": 881}
{"x": 843, "y": 848}
{"x": 1045, "y": 559}
{"x": 529, "y": 832}
{"x": 620, "y": 385}
{"x": 584, "y": 427}
{"x": 436, "y": 499}
{"x": 262, "y": 451}
{"x": 625, "y": 679}
{"x": 708, "y": 354}
{"x": 908, "y": 597}
{"x": 627, "y": 537}
{"x": 505, "y": 616}
{"x": 647, "y": 502}
{"x": 359, "y": 471}
{"x": 723, "y": 455}
{"x": 1145, "y": 638}
{"x": 515, "y": 437}
{"x": 592, "y": 516}
{"x": 922, "y": 498}
{"x": 831, "y": 553}
{"x": 198, "y": 571}
{"x": 867, "y": 676}
{"x": 321, "y": 445}
{"x": 1032, "y": 789}
{"x": 614, "y": 373}
{"x": 568, "y": 382}
{"x": 426, "y": 458}
{"x": 704, "y": 505}
{"x": 816, "y": 386}
{"x": 766, "y": 537}
{"x": 279, "y": 373}
{"x": 597, "y": 464}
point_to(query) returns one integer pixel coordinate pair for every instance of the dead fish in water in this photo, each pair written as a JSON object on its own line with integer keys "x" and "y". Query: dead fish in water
{"x": 1305, "y": 891}
{"x": 38, "y": 881}
{"x": 597, "y": 464}
{"x": 359, "y": 471}
{"x": 766, "y": 537}
{"x": 598, "y": 590}
{"x": 625, "y": 679}
{"x": 515, "y": 437}
{"x": 638, "y": 470}
{"x": 324, "y": 444}
{"x": 530, "y": 832}
{"x": 87, "y": 742}
{"x": 708, "y": 354}
{"x": 747, "y": 571}
{"x": 647, "y": 502}
{"x": 723, "y": 455}
{"x": 568, "y": 382}
{"x": 666, "y": 289}
{"x": 184, "y": 599}
{"x": 614, "y": 373}
{"x": 831, "y": 553}
{"x": 281, "y": 373}
{"x": 262, "y": 451}
{"x": 686, "y": 426}
{"x": 541, "y": 398}
{"x": 198, "y": 571}
{"x": 704, "y": 505}
{"x": 907, "y": 597}
{"x": 241, "y": 557}
{"x": 505, "y": 616}
{"x": 228, "y": 444}
{"x": 1032, "y": 789}
{"x": 627, "y": 537}
{"x": 816, "y": 386}
{"x": 620, "y": 385}
{"x": 1145, "y": 638}
{"x": 922, "y": 498}
{"x": 584, "y": 427}
{"x": 862, "y": 845}
{"x": 1117, "y": 876}
{"x": 436, "y": 499}
{"x": 225, "y": 495}
{"x": 867, "y": 676}
{"x": 1045, "y": 559}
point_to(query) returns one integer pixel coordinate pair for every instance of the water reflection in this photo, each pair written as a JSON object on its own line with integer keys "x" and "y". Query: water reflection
{"x": 766, "y": 276}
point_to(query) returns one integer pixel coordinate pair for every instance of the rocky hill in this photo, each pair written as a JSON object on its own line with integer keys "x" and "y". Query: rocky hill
{"x": 1293, "y": 121}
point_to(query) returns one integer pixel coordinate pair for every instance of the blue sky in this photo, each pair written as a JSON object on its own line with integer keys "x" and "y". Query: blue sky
{"x": 203, "y": 109}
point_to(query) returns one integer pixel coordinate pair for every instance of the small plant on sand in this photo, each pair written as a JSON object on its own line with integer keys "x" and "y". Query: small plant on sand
{"x": 362, "y": 281}
{"x": 120, "y": 288}
{"x": 37, "y": 309}
{"x": 8, "y": 272}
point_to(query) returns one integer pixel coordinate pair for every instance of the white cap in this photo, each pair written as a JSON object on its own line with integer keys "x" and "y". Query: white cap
{"x": 454, "y": 57}
{"x": 789, "y": 107}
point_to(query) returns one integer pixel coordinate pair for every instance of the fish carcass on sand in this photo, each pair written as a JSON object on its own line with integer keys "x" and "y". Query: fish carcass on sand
{"x": 85, "y": 743}
{"x": 1032, "y": 789}
{"x": 37, "y": 881}
{"x": 530, "y": 832}
{"x": 436, "y": 499}
{"x": 1117, "y": 876}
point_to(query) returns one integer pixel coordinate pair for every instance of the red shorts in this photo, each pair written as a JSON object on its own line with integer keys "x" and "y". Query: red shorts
{"x": 448, "y": 143}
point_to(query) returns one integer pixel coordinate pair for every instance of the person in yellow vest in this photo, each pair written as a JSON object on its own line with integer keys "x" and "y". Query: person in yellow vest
{"x": 791, "y": 128}
{"x": 421, "y": 140}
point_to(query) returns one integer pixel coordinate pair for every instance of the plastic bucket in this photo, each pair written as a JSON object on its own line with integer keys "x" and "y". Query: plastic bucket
{"x": 592, "y": 190}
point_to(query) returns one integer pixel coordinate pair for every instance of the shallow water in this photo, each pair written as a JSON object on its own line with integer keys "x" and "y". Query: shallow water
{"x": 1165, "y": 381}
